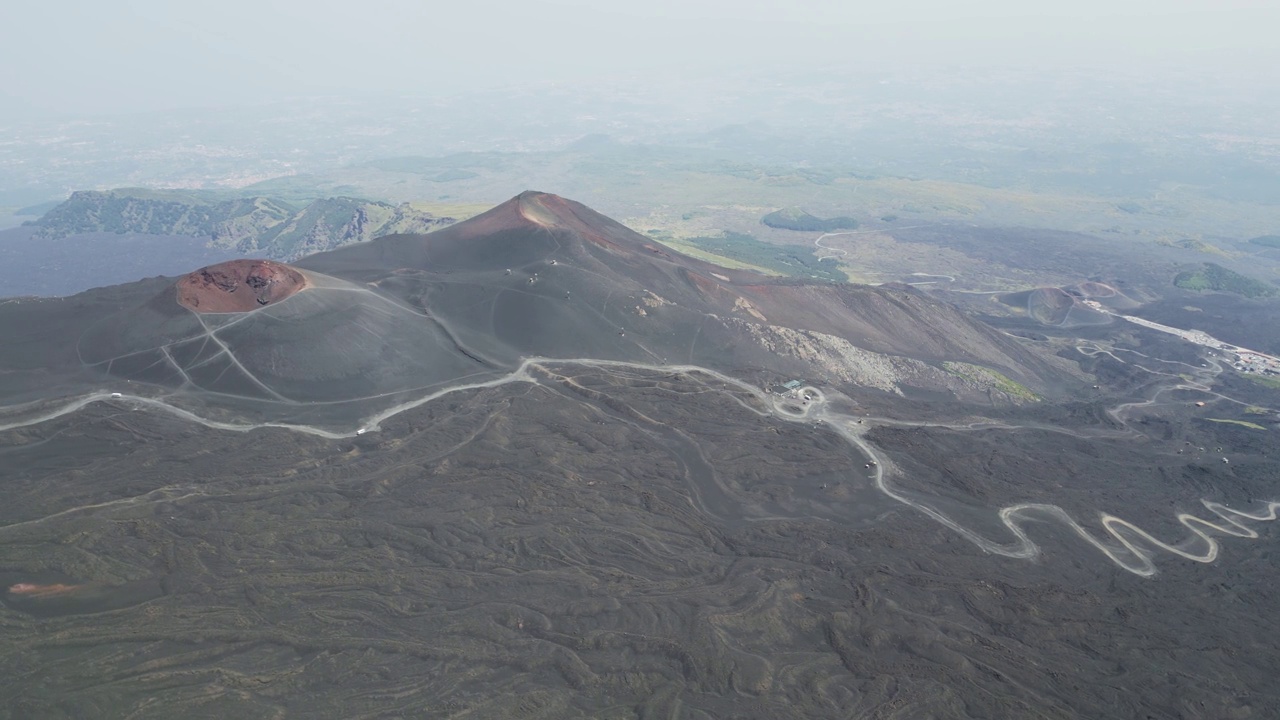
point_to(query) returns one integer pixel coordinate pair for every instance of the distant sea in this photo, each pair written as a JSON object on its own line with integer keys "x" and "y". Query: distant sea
{"x": 52, "y": 268}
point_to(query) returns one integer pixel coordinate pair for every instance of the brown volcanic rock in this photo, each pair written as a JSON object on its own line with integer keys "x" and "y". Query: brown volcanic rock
{"x": 238, "y": 286}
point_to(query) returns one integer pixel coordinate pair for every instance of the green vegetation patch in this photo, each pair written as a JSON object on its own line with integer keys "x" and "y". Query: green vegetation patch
{"x": 1271, "y": 382}
{"x": 986, "y": 377}
{"x": 1242, "y": 423}
{"x": 1194, "y": 244}
{"x": 781, "y": 259}
{"x": 797, "y": 219}
{"x": 1219, "y": 279}
{"x": 722, "y": 261}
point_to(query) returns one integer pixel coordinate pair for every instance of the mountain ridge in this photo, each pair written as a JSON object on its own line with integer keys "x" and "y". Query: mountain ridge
{"x": 251, "y": 224}
{"x": 540, "y": 233}
{"x": 538, "y": 276}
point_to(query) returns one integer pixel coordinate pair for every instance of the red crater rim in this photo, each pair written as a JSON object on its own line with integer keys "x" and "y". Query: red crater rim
{"x": 239, "y": 286}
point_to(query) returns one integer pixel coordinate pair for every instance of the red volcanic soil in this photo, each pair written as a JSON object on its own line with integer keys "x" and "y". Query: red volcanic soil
{"x": 238, "y": 286}
{"x": 38, "y": 591}
{"x": 538, "y": 209}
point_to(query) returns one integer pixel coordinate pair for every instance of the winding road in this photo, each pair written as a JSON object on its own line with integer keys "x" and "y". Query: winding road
{"x": 1127, "y": 545}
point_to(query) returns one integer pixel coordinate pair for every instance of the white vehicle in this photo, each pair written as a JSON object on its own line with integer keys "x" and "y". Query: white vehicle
{"x": 116, "y": 396}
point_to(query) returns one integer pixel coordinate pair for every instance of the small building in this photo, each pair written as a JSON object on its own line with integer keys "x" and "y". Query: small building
{"x": 786, "y": 388}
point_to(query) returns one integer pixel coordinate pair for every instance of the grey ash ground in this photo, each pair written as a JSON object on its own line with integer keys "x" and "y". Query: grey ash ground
{"x": 415, "y": 520}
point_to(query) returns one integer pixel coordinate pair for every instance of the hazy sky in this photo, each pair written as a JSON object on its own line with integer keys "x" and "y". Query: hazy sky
{"x": 91, "y": 56}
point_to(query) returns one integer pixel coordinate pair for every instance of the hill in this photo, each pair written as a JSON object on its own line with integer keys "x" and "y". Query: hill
{"x": 1219, "y": 279}
{"x": 548, "y": 276}
{"x": 797, "y": 219}
{"x": 248, "y": 224}
{"x": 538, "y": 276}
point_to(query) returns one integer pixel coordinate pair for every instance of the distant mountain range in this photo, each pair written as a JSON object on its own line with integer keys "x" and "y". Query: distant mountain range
{"x": 255, "y": 224}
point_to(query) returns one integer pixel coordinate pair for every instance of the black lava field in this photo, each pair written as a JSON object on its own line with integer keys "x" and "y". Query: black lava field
{"x": 535, "y": 466}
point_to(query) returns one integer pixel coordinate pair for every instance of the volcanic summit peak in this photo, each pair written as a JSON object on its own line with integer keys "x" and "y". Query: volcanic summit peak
{"x": 532, "y": 209}
{"x": 555, "y": 212}
{"x": 541, "y": 209}
{"x": 537, "y": 208}
{"x": 527, "y": 208}
{"x": 239, "y": 286}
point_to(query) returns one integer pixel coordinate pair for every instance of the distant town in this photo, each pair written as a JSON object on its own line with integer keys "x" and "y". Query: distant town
{"x": 1242, "y": 359}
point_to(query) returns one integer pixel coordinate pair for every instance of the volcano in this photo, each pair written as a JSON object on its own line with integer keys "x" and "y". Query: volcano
{"x": 238, "y": 286}
{"x": 342, "y": 334}
{"x": 534, "y": 465}
{"x": 540, "y": 275}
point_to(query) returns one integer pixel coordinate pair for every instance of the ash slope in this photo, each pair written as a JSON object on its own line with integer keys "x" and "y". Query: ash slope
{"x": 583, "y": 285}
{"x": 538, "y": 276}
